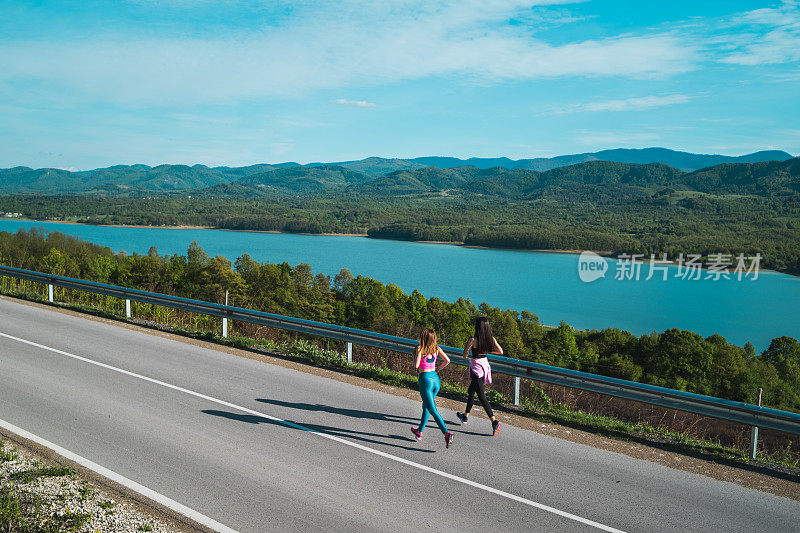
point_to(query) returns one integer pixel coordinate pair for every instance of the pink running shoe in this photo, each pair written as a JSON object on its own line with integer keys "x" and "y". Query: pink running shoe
{"x": 417, "y": 433}
{"x": 496, "y": 427}
{"x": 448, "y": 439}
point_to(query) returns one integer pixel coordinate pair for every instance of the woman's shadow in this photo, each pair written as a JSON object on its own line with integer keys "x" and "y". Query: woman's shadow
{"x": 329, "y": 430}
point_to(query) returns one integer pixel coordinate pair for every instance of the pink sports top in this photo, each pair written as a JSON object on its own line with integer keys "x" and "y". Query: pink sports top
{"x": 428, "y": 362}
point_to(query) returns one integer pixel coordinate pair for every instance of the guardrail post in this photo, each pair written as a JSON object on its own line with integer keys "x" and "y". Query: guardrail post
{"x": 516, "y": 390}
{"x": 127, "y": 308}
{"x": 225, "y": 320}
{"x": 754, "y": 434}
{"x": 50, "y": 292}
{"x": 349, "y": 352}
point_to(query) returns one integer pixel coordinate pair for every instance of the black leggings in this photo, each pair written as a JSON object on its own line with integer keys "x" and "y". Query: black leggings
{"x": 476, "y": 385}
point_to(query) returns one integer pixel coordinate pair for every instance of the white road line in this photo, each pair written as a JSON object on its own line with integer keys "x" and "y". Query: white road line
{"x": 120, "y": 479}
{"x": 340, "y": 440}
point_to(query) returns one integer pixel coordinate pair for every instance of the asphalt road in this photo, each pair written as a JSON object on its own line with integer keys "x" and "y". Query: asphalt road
{"x": 187, "y": 422}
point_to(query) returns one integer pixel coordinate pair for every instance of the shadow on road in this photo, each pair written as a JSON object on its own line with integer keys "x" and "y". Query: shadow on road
{"x": 357, "y": 413}
{"x": 338, "y": 432}
{"x": 354, "y": 413}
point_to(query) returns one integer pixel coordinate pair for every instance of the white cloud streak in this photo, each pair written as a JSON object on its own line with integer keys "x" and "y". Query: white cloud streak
{"x": 774, "y": 36}
{"x": 331, "y": 45}
{"x": 600, "y": 139}
{"x": 628, "y": 104}
{"x": 354, "y": 103}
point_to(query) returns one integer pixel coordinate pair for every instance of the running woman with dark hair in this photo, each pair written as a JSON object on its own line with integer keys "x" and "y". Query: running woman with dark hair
{"x": 479, "y": 370}
{"x": 426, "y": 353}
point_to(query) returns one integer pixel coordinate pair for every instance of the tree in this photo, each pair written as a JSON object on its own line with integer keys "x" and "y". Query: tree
{"x": 784, "y": 354}
{"x": 682, "y": 357}
{"x": 55, "y": 262}
{"x": 342, "y": 280}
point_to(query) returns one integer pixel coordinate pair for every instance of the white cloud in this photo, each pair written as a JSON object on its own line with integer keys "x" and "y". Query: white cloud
{"x": 330, "y": 45}
{"x": 772, "y": 36}
{"x": 354, "y": 103}
{"x": 628, "y": 104}
{"x": 603, "y": 139}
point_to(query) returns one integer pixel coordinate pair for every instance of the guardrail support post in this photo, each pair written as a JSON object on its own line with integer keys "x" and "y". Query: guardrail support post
{"x": 225, "y": 320}
{"x": 50, "y": 292}
{"x": 127, "y": 308}
{"x": 754, "y": 434}
{"x": 516, "y": 390}
{"x": 349, "y": 352}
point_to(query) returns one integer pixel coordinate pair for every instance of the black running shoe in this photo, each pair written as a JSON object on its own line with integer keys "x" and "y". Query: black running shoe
{"x": 496, "y": 427}
{"x": 463, "y": 417}
{"x": 448, "y": 439}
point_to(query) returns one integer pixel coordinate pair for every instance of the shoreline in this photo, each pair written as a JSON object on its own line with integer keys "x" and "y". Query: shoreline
{"x": 602, "y": 253}
{"x": 141, "y": 226}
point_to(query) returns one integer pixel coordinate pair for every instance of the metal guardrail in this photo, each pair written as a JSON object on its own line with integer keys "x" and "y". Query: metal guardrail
{"x": 740, "y": 412}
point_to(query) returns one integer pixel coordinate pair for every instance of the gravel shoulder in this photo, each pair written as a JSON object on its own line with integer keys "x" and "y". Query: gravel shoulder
{"x": 44, "y": 492}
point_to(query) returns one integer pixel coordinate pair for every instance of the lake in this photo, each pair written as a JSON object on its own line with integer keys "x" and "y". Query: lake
{"x": 546, "y": 284}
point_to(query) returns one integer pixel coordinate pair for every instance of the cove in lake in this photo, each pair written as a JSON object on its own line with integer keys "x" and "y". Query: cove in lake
{"x": 547, "y": 284}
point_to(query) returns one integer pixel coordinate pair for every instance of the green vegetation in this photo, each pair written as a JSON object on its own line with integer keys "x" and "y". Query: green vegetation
{"x": 26, "y": 476}
{"x": 647, "y": 209}
{"x": 677, "y": 359}
{"x": 7, "y": 455}
{"x": 133, "y": 179}
{"x": 21, "y": 512}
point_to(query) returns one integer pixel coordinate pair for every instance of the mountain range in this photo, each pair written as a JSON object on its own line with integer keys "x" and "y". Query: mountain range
{"x": 761, "y": 179}
{"x": 372, "y": 175}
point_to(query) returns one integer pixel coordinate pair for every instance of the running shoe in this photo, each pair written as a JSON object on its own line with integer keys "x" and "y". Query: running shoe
{"x": 417, "y": 433}
{"x": 448, "y": 439}
{"x": 496, "y": 427}
{"x": 463, "y": 417}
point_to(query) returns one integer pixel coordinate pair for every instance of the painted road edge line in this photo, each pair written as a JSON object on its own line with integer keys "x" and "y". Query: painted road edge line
{"x": 120, "y": 479}
{"x": 340, "y": 440}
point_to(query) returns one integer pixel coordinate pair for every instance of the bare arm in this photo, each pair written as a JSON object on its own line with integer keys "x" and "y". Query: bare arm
{"x": 497, "y": 348}
{"x": 443, "y": 356}
{"x": 468, "y": 346}
{"x": 418, "y": 356}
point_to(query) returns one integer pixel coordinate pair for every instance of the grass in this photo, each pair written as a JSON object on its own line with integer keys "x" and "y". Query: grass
{"x": 21, "y": 512}
{"x": 540, "y": 407}
{"x": 26, "y": 476}
{"x": 7, "y": 455}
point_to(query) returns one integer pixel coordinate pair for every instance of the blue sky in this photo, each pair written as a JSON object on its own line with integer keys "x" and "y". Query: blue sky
{"x": 224, "y": 82}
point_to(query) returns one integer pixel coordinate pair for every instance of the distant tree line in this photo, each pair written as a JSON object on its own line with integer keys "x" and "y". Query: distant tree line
{"x": 666, "y": 221}
{"x": 674, "y": 358}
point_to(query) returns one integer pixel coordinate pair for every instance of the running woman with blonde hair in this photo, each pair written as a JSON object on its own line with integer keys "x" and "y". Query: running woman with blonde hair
{"x": 426, "y": 353}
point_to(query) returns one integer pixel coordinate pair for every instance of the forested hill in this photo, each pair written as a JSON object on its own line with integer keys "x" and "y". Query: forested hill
{"x": 596, "y": 205}
{"x": 141, "y": 179}
{"x": 685, "y": 161}
{"x": 591, "y": 181}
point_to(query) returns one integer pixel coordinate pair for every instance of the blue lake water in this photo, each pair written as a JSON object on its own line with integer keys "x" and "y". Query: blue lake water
{"x": 546, "y": 284}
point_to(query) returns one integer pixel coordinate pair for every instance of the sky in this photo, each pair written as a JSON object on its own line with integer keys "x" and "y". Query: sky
{"x": 87, "y": 84}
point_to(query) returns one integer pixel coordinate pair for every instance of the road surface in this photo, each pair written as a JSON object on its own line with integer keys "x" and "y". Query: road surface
{"x": 260, "y": 447}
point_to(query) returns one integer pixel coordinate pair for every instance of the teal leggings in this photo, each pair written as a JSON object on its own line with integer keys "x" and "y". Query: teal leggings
{"x": 429, "y": 386}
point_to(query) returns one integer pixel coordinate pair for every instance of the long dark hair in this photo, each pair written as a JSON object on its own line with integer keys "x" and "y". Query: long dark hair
{"x": 484, "y": 341}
